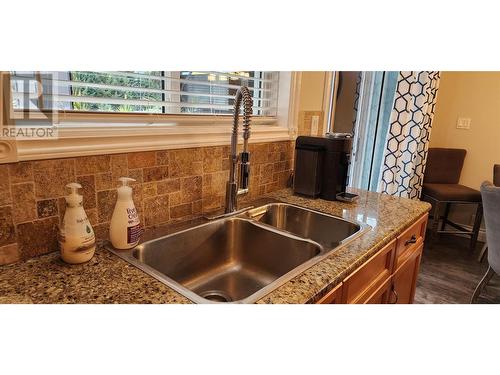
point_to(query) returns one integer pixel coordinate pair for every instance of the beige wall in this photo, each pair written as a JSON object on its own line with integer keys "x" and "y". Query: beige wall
{"x": 311, "y": 91}
{"x": 475, "y": 95}
{"x": 311, "y": 102}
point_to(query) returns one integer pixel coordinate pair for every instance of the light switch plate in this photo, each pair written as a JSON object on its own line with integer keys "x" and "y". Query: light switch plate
{"x": 314, "y": 125}
{"x": 463, "y": 123}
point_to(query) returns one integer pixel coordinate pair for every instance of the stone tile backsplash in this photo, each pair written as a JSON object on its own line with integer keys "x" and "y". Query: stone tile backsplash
{"x": 172, "y": 185}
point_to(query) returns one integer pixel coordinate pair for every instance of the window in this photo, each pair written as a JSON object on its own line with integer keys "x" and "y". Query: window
{"x": 93, "y": 113}
{"x": 146, "y": 92}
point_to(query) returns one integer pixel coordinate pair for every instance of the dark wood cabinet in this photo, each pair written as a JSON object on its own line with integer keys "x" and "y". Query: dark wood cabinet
{"x": 333, "y": 296}
{"x": 382, "y": 294}
{"x": 366, "y": 282}
{"x": 389, "y": 276}
{"x": 404, "y": 280}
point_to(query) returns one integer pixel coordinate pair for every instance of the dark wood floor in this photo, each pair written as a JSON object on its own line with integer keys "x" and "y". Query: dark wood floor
{"x": 449, "y": 273}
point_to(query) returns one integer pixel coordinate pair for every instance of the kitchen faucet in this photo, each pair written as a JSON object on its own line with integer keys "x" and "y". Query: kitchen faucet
{"x": 232, "y": 188}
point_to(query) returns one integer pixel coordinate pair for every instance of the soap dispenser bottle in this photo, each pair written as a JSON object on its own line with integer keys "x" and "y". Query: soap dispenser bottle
{"x": 76, "y": 236}
{"x": 125, "y": 229}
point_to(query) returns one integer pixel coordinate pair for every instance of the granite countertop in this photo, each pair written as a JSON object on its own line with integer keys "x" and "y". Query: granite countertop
{"x": 108, "y": 279}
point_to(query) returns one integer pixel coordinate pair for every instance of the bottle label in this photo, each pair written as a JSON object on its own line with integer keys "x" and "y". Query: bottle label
{"x": 132, "y": 215}
{"x": 134, "y": 233}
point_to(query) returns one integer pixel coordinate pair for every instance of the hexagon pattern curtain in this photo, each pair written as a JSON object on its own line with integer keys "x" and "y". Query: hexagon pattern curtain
{"x": 407, "y": 143}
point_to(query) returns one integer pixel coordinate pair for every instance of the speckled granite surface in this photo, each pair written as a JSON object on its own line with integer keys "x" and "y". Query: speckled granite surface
{"x": 388, "y": 216}
{"x": 109, "y": 279}
{"x": 104, "y": 279}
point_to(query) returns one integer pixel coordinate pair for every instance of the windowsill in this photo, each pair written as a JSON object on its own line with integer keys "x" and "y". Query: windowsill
{"x": 98, "y": 138}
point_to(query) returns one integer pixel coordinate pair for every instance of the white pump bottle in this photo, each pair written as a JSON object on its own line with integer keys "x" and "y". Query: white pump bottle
{"x": 125, "y": 229}
{"x": 76, "y": 236}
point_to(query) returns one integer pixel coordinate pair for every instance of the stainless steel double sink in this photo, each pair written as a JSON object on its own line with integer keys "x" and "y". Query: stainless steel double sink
{"x": 242, "y": 258}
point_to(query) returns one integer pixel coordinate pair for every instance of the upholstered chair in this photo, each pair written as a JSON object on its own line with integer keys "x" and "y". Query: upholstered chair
{"x": 441, "y": 188}
{"x": 496, "y": 175}
{"x": 491, "y": 202}
{"x": 496, "y": 182}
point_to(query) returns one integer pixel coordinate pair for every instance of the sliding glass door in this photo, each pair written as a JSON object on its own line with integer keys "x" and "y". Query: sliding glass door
{"x": 374, "y": 108}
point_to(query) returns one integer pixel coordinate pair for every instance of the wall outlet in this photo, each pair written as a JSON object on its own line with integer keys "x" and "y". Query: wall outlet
{"x": 463, "y": 123}
{"x": 314, "y": 125}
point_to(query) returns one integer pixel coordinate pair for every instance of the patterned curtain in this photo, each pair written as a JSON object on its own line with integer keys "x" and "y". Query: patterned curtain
{"x": 405, "y": 154}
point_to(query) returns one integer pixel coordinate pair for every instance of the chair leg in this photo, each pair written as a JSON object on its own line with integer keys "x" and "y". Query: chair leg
{"x": 483, "y": 252}
{"x": 435, "y": 220}
{"x": 446, "y": 213}
{"x": 477, "y": 226}
{"x": 479, "y": 288}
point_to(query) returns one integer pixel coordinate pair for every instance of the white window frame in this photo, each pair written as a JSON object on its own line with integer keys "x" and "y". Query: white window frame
{"x": 82, "y": 138}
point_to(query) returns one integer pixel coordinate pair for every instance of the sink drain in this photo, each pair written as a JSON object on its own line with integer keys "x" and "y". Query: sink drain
{"x": 216, "y": 296}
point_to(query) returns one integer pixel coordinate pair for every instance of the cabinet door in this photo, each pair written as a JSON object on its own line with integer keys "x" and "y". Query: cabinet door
{"x": 381, "y": 295}
{"x": 405, "y": 277}
{"x": 333, "y": 296}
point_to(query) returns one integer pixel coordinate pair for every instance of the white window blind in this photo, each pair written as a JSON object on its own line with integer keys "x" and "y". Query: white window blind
{"x": 182, "y": 92}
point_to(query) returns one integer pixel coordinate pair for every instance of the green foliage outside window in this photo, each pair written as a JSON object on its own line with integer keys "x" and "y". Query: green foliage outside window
{"x": 108, "y": 79}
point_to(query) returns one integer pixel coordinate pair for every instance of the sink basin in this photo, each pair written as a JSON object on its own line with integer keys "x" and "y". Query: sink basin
{"x": 327, "y": 230}
{"x": 227, "y": 260}
{"x": 242, "y": 258}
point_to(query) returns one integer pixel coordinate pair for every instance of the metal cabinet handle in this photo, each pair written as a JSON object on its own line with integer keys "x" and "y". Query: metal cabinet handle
{"x": 395, "y": 294}
{"x": 413, "y": 239}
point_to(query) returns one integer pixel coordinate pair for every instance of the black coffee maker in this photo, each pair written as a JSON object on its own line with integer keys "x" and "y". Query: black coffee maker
{"x": 321, "y": 165}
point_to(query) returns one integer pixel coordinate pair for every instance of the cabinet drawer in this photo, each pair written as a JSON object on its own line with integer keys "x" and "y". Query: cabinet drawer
{"x": 409, "y": 239}
{"x": 362, "y": 283}
{"x": 333, "y": 296}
